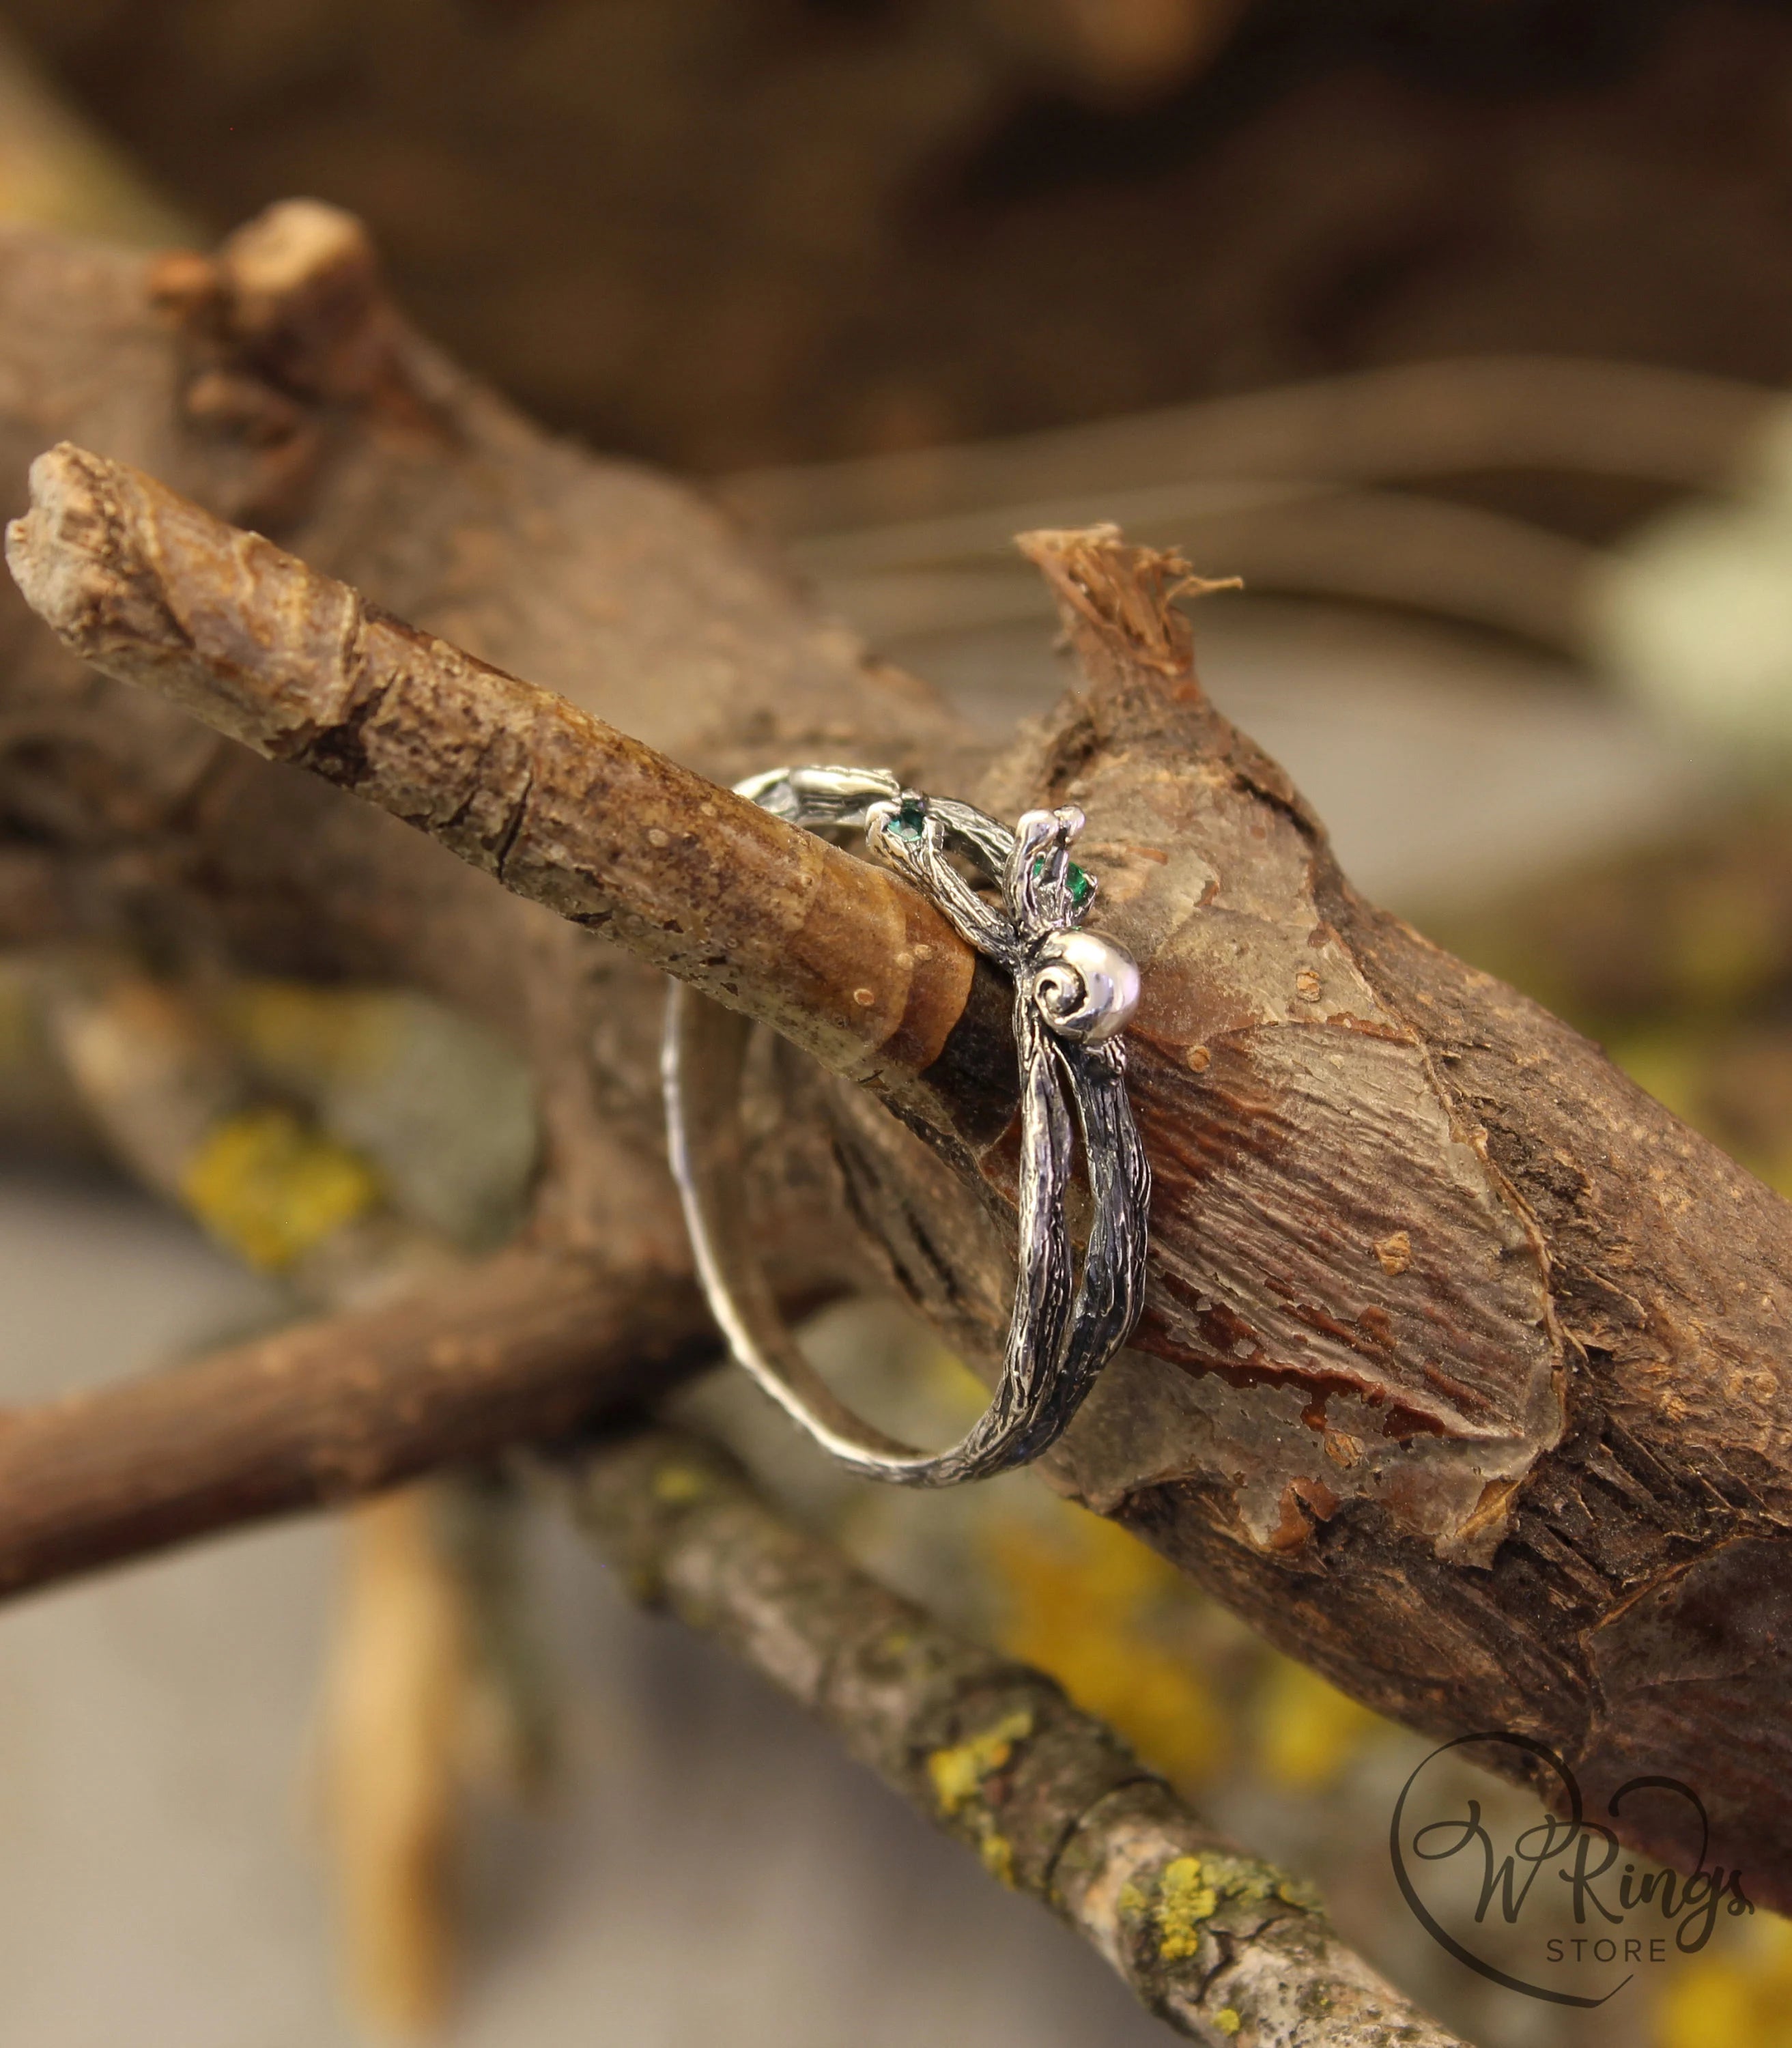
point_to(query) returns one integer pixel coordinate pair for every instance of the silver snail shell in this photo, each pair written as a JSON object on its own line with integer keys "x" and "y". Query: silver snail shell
{"x": 1086, "y": 987}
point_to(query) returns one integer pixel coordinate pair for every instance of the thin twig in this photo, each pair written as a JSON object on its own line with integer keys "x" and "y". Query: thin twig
{"x": 1403, "y": 421}
{"x": 561, "y": 807}
{"x": 901, "y": 582}
{"x": 1224, "y": 1946}
{"x": 527, "y": 1347}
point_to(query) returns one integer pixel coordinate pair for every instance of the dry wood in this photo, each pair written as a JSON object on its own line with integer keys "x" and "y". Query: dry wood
{"x": 529, "y": 1346}
{"x": 850, "y": 965}
{"x": 1461, "y": 1375}
{"x": 1227, "y": 1947}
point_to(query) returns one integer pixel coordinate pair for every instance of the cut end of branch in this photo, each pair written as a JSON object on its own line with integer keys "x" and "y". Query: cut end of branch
{"x": 287, "y": 338}
{"x": 295, "y": 294}
{"x": 56, "y": 549}
{"x": 561, "y": 808}
{"x": 1121, "y": 595}
{"x": 154, "y": 591}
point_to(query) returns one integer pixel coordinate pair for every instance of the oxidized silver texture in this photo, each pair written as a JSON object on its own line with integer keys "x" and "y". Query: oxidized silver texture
{"x": 1074, "y": 993}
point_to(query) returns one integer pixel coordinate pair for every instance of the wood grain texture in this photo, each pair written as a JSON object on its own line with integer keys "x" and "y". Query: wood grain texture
{"x": 556, "y": 804}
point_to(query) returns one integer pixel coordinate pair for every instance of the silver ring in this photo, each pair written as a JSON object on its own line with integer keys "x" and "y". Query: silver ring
{"x": 1074, "y": 993}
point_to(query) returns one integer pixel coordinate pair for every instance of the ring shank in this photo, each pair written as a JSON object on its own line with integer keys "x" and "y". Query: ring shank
{"x": 703, "y": 1065}
{"x": 1060, "y": 1334}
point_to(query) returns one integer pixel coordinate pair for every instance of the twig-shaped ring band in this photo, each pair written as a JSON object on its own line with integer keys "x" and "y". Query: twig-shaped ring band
{"x": 1074, "y": 993}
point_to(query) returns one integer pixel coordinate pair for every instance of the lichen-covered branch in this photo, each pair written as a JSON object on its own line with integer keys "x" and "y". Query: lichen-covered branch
{"x": 1227, "y": 1947}
{"x": 181, "y": 1106}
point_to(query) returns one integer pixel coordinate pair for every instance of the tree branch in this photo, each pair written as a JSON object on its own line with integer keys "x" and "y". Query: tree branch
{"x": 560, "y": 806}
{"x": 1226, "y": 1948}
{"x": 1462, "y": 1373}
{"x": 527, "y": 1347}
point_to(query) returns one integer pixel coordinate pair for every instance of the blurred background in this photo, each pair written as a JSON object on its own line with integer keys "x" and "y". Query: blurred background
{"x": 1461, "y": 330}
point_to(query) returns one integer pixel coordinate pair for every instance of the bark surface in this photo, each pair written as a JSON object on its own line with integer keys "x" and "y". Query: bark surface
{"x": 1227, "y": 1947}
{"x": 1461, "y": 1375}
{"x": 526, "y": 1347}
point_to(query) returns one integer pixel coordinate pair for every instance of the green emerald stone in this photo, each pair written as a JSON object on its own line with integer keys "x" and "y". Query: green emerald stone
{"x": 1079, "y": 886}
{"x": 911, "y": 816}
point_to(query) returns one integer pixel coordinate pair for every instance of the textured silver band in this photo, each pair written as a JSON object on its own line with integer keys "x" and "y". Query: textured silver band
{"x": 1074, "y": 992}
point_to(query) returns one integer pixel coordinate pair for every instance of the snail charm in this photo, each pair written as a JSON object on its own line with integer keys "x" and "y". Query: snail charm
{"x": 1086, "y": 986}
{"x": 1075, "y": 993}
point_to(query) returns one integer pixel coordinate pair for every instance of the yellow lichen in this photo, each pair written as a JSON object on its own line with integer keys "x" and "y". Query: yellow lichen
{"x": 272, "y": 1189}
{"x": 311, "y": 1035}
{"x": 1083, "y": 1605}
{"x": 675, "y": 1485}
{"x": 1189, "y": 1890}
{"x": 1227, "y": 2020}
{"x": 1186, "y": 1899}
{"x": 998, "y": 1853}
{"x": 1713, "y": 2001}
{"x": 1738, "y": 1991}
{"x": 1238, "y": 1877}
{"x": 958, "y": 1772}
{"x": 1307, "y": 1731}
